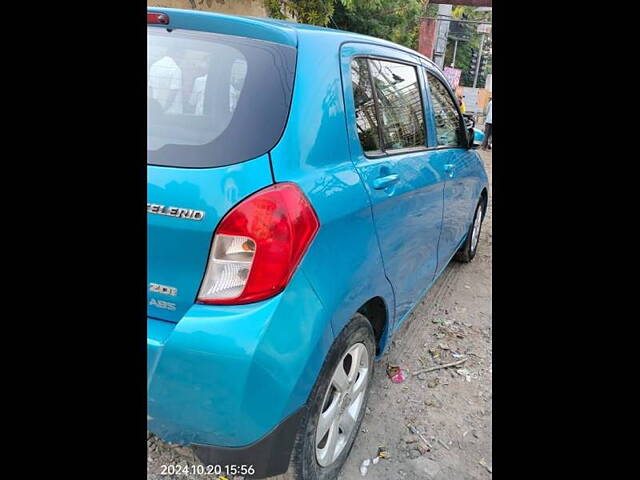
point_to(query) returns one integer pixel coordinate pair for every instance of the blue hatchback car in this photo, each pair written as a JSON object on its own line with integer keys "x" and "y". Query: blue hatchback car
{"x": 306, "y": 186}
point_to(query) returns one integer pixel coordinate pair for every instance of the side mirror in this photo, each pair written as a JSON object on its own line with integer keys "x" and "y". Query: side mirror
{"x": 471, "y": 138}
{"x": 470, "y": 124}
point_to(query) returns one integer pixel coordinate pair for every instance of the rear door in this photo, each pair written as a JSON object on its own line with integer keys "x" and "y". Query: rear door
{"x": 216, "y": 105}
{"x": 386, "y": 110}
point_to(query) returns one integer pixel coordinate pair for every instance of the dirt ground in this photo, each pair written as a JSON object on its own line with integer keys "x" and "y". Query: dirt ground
{"x": 450, "y": 407}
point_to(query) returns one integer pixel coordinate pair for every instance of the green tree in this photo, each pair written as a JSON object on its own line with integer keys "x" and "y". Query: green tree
{"x": 313, "y": 12}
{"x": 395, "y": 20}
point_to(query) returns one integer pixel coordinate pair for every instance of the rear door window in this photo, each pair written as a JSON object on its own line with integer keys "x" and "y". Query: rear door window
{"x": 214, "y": 100}
{"x": 388, "y": 105}
{"x": 400, "y": 104}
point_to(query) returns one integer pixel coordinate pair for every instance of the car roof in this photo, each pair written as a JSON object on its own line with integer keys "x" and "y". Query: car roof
{"x": 284, "y": 29}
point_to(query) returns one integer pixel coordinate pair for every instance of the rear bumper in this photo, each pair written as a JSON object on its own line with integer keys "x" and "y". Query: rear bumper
{"x": 232, "y": 380}
{"x": 268, "y": 456}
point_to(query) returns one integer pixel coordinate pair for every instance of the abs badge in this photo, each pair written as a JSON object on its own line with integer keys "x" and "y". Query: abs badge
{"x": 163, "y": 304}
{"x": 177, "y": 212}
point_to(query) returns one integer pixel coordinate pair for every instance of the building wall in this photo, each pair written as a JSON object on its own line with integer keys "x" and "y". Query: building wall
{"x": 427, "y": 37}
{"x": 254, "y": 8}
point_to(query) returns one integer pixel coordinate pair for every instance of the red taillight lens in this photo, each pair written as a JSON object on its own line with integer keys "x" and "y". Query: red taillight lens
{"x": 258, "y": 245}
{"x": 157, "y": 18}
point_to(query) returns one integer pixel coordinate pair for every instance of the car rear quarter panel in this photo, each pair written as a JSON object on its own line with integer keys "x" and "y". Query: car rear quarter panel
{"x": 343, "y": 263}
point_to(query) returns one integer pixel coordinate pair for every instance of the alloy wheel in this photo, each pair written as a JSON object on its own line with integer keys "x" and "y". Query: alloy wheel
{"x": 342, "y": 404}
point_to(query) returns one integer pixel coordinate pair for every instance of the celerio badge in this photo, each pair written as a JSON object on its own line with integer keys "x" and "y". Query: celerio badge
{"x": 177, "y": 212}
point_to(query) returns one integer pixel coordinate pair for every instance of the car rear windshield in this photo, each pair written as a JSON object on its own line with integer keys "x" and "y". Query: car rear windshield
{"x": 214, "y": 100}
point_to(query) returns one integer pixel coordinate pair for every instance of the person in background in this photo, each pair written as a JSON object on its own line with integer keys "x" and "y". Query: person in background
{"x": 488, "y": 129}
{"x": 197, "y": 94}
{"x": 165, "y": 82}
{"x": 463, "y": 108}
{"x": 201, "y": 68}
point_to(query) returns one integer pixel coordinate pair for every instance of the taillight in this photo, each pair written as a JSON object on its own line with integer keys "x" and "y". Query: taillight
{"x": 157, "y": 18}
{"x": 258, "y": 245}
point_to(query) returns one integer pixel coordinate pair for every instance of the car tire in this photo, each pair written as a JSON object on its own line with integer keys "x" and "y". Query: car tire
{"x": 470, "y": 247}
{"x": 305, "y": 464}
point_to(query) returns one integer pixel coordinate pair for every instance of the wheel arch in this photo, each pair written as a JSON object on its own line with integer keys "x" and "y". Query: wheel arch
{"x": 376, "y": 311}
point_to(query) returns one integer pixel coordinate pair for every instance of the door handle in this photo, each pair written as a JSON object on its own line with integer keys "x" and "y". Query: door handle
{"x": 381, "y": 183}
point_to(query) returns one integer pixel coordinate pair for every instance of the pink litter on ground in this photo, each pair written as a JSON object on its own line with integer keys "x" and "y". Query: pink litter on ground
{"x": 398, "y": 377}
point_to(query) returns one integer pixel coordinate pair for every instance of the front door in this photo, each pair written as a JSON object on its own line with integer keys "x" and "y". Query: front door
{"x": 460, "y": 168}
